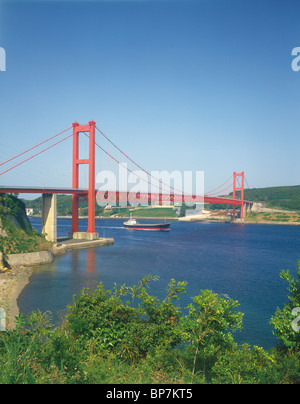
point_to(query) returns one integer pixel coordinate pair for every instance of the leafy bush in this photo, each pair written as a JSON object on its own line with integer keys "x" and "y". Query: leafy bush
{"x": 283, "y": 319}
{"x": 106, "y": 339}
{"x": 103, "y": 320}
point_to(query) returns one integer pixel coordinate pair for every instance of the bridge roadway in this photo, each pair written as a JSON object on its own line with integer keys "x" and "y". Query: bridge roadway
{"x": 41, "y": 190}
{"x": 49, "y": 204}
{"x": 124, "y": 196}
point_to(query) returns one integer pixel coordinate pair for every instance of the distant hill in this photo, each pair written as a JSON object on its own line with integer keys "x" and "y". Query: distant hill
{"x": 286, "y": 197}
{"x": 64, "y": 208}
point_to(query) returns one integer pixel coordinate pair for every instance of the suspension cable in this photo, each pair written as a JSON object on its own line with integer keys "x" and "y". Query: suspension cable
{"x": 34, "y": 147}
{"x": 137, "y": 165}
{"x": 221, "y": 192}
{"x": 128, "y": 169}
{"x": 149, "y": 174}
{"x": 29, "y": 158}
{"x": 212, "y": 192}
{"x": 249, "y": 189}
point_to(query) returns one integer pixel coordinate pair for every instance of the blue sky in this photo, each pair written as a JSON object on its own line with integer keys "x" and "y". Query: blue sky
{"x": 178, "y": 85}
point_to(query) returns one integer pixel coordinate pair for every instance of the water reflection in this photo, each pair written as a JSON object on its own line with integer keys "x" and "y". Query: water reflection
{"x": 91, "y": 260}
{"x": 75, "y": 261}
{"x": 78, "y": 263}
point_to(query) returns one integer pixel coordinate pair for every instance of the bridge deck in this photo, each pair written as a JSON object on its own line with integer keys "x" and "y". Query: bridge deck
{"x": 42, "y": 190}
{"x": 124, "y": 196}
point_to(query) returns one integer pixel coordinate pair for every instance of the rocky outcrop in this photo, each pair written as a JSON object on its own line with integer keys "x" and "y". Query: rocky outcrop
{"x": 17, "y": 236}
{"x": 2, "y": 231}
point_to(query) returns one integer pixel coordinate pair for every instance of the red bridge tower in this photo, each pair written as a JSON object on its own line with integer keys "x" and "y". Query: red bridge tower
{"x": 90, "y": 128}
{"x": 238, "y": 188}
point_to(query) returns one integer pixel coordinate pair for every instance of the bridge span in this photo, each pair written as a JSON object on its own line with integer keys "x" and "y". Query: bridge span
{"x": 49, "y": 203}
{"x": 49, "y": 195}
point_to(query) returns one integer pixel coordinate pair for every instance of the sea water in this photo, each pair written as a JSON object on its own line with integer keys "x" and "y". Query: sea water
{"x": 242, "y": 261}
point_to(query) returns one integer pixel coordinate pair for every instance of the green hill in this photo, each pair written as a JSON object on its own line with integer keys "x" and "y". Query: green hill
{"x": 16, "y": 233}
{"x": 286, "y": 197}
{"x": 64, "y": 208}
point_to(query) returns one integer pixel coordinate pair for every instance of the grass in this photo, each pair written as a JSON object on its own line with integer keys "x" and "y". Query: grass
{"x": 142, "y": 212}
{"x": 290, "y": 217}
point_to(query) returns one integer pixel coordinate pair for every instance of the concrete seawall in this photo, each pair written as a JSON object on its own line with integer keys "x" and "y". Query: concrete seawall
{"x": 29, "y": 259}
{"x": 46, "y": 257}
{"x": 70, "y": 245}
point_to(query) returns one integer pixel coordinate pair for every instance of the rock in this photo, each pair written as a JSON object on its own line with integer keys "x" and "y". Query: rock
{"x": 2, "y": 231}
{"x": 1, "y": 261}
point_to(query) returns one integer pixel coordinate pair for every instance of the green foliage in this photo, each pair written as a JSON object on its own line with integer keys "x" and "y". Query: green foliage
{"x": 106, "y": 339}
{"x": 64, "y": 208}
{"x": 208, "y": 323}
{"x": 103, "y": 320}
{"x": 18, "y": 236}
{"x": 242, "y": 364}
{"x": 287, "y": 197}
{"x": 282, "y": 320}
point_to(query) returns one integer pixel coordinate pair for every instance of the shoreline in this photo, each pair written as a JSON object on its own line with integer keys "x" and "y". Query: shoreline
{"x": 12, "y": 284}
{"x": 208, "y": 220}
{"x": 269, "y": 222}
{"x": 15, "y": 279}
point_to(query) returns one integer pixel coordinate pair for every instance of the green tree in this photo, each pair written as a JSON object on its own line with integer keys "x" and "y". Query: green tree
{"x": 284, "y": 321}
{"x": 208, "y": 324}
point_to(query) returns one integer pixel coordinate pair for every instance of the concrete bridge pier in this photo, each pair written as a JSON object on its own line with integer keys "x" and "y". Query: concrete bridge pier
{"x": 246, "y": 207}
{"x": 49, "y": 216}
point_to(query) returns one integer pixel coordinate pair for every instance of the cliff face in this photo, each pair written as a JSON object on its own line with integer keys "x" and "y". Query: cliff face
{"x": 16, "y": 233}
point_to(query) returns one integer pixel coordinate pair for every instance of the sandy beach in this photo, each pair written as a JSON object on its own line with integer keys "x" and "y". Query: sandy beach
{"x": 12, "y": 283}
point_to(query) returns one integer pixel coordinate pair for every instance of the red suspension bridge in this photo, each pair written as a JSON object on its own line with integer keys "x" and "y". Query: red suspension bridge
{"x": 165, "y": 193}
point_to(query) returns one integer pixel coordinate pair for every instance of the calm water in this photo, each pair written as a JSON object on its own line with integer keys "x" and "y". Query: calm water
{"x": 243, "y": 261}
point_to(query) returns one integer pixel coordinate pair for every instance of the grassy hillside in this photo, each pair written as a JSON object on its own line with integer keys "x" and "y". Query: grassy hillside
{"x": 64, "y": 208}
{"x": 276, "y": 197}
{"x": 292, "y": 217}
{"x": 16, "y": 233}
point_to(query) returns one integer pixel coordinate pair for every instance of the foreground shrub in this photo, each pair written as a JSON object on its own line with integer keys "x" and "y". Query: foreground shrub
{"x": 106, "y": 339}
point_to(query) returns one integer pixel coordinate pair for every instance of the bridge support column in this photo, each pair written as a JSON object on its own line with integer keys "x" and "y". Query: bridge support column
{"x": 246, "y": 208}
{"x": 91, "y": 233}
{"x": 239, "y": 187}
{"x": 75, "y": 218}
{"x": 92, "y": 193}
{"x": 49, "y": 217}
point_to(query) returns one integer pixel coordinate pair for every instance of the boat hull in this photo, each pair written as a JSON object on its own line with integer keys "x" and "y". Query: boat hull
{"x": 153, "y": 227}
